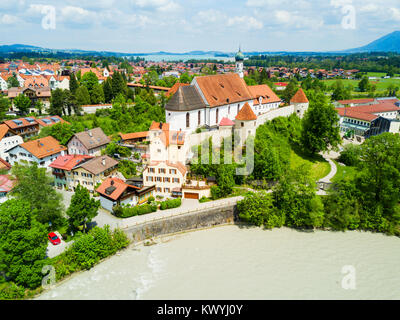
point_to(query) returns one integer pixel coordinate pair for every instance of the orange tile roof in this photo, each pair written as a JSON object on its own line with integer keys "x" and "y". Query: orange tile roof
{"x": 3, "y": 130}
{"x": 134, "y": 135}
{"x": 43, "y": 147}
{"x": 119, "y": 185}
{"x": 348, "y": 112}
{"x": 223, "y": 89}
{"x": 4, "y": 165}
{"x": 299, "y": 97}
{"x": 175, "y": 88}
{"x": 25, "y": 123}
{"x": 357, "y": 101}
{"x": 246, "y": 113}
{"x": 265, "y": 92}
{"x": 44, "y": 124}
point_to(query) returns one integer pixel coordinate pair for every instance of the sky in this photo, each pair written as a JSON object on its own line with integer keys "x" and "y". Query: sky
{"x": 139, "y": 26}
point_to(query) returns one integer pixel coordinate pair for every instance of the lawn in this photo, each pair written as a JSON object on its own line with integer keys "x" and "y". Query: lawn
{"x": 344, "y": 172}
{"x": 381, "y": 84}
{"x": 317, "y": 165}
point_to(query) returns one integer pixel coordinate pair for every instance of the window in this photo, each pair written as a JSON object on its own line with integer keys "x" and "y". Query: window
{"x": 187, "y": 120}
{"x": 238, "y": 108}
{"x": 199, "y": 118}
{"x": 216, "y": 116}
{"x": 242, "y": 124}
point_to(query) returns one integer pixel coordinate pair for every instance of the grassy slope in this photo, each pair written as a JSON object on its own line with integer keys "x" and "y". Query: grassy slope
{"x": 344, "y": 172}
{"x": 381, "y": 84}
{"x": 318, "y": 166}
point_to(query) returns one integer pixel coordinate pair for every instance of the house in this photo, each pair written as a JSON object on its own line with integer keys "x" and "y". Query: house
{"x": 369, "y": 120}
{"x": 62, "y": 169}
{"x": 167, "y": 177}
{"x": 6, "y": 185}
{"x": 89, "y": 142}
{"x": 264, "y": 98}
{"x": 8, "y": 139}
{"x": 133, "y": 138}
{"x": 93, "y": 172}
{"x": 49, "y": 121}
{"x": 196, "y": 189}
{"x": 43, "y": 151}
{"x": 166, "y": 144}
{"x": 24, "y": 127}
{"x": 114, "y": 191}
{"x": 42, "y": 94}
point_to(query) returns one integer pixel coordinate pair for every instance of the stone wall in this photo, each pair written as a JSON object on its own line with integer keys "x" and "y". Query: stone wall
{"x": 193, "y": 220}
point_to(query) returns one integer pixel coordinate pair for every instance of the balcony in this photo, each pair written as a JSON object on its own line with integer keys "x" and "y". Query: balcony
{"x": 60, "y": 175}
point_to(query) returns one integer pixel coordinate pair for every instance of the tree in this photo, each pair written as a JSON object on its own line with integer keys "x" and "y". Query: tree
{"x": 23, "y": 243}
{"x": 97, "y": 94}
{"x": 320, "y": 126}
{"x": 290, "y": 91}
{"x": 118, "y": 85}
{"x": 39, "y": 106}
{"x": 4, "y": 106}
{"x": 23, "y": 103}
{"x": 113, "y": 148}
{"x": 295, "y": 198}
{"x": 378, "y": 181}
{"x": 82, "y": 96}
{"x": 185, "y": 78}
{"x": 258, "y": 209}
{"x": 73, "y": 84}
{"x": 35, "y": 187}
{"x": 82, "y": 209}
{"x": 364, "y": 84}
{"x": 12, "y": 82}
{"x": 107, "y": 89}
{"x": 340, "y": 92}
{"x": 89, "y": 80}
{"x": 57, "y": 102}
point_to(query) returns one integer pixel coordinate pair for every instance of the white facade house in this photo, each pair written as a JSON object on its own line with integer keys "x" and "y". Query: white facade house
{"x": 42, "y": 151}
{"x": 8, "y": 143}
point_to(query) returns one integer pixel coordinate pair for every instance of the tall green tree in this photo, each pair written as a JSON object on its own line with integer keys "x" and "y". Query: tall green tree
{"x": 23, "y": 103}
{"x": 73, "y": 84}
{"x": 320, "y": 126}
{"x": 107, "y": 89}
{"x": 23, "y": 243}
{"x": 57, "y": 102}
{"x": 12, "y": 82}
{"x": 35, "y": 187}
{"x": 97, "y": 95}
{"x": 82, "y": 96}
{"x": 83, "y": 208}
{"x": 118, "y": 85}
{"x": 364, "y": 84}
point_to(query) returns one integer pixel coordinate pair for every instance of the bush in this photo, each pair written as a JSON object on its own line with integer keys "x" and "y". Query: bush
{"x": 204, "y": 199}
{"x": 127, "y": 212}
{"x": 350, "y": 155}
{"x": 150, "y": 200}
{"x": 170, "y": 204}
{"x": 89, "y": 249}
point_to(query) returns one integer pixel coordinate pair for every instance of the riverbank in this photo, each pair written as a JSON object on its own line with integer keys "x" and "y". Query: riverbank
{"x": 241, "y": 262}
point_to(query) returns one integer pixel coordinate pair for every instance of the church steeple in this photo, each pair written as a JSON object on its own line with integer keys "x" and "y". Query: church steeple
{"x": 239, "y": 58}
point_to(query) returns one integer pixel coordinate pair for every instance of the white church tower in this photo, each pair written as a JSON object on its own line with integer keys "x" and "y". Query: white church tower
{"x": 239, "y": 58}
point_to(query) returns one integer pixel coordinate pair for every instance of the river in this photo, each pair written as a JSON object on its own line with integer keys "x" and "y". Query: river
{"x": 232, "y": 262}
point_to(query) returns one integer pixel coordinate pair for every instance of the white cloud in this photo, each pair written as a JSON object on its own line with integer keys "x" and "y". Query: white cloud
{"x": 77, "y": 15}
{"x": 245, "y": 22}
{"x": 9, "y": 19}
{"x": 262, "y": 3}
{"x": 395, "y": 13}
{"x": 369, "y": 8}
{"x": 283, "y": 16}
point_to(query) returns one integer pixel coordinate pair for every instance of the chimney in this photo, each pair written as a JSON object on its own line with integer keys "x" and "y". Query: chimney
{"x": 103, "y": 161}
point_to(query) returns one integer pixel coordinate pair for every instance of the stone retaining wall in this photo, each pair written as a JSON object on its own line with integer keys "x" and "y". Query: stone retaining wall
{"x": 193, "y": 220}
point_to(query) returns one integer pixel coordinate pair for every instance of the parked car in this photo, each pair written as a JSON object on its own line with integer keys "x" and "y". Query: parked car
{"x": 53, "y": 238}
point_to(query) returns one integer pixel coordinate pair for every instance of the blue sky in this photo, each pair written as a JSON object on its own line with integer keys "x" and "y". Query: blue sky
{"x": 185, "y": 25}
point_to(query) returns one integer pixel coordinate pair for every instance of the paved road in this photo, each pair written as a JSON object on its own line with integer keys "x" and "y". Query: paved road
{"x": 55, "y": 250}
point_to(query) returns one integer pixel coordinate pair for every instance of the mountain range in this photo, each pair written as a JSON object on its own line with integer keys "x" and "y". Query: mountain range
{"x": 388, "y": 43}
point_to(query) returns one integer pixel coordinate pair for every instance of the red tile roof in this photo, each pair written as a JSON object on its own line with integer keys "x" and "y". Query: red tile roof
{"x": 299, "y": 97}
{"x": 6, "y": 183}
{"x": 134, "y": 135}
{"x": 69, "y": 161}
{"x": 226, "y": 122}
{"x": 265, "y": 92}
{"x": 246, "y": 113}
{"x": 350, "y": 113}
{"x": 356, "y": 101}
